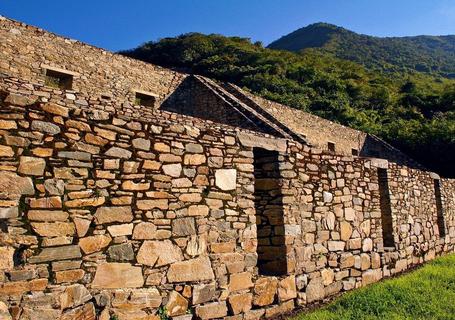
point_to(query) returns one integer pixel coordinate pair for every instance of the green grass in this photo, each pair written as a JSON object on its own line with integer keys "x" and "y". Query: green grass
{"x": 427, "y": 293}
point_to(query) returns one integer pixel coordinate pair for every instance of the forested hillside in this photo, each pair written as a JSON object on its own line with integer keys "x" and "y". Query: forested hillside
{"x": 413, "y": 111}
{"x": 429, "y": 54}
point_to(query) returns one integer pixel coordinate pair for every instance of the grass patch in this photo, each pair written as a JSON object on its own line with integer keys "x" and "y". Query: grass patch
{"x": 427, "y": 293}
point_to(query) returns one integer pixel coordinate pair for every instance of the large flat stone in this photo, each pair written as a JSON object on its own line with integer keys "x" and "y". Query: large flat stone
{"x": 113, "y": 214}
{"x": 159, "y": 253}
{"x": 272, "y": 144}
{"x": 117, "y": 275}
{"x": 191, "y": 270}
{"x": 57, "y": 253}
{"x": 226, "y": 179}
{"x": 13, "y": 186}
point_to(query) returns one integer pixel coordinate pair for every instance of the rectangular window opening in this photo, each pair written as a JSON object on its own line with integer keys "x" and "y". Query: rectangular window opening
{"x": 58, "y": 80}
{"x": 144, "y": 99}
{"x": 355, "y": 152}
{"x": 268, "y": 200}
{"x": 439, "y": 208}
{"x": 386, "y": 209}
{"x": 331, "y": 146}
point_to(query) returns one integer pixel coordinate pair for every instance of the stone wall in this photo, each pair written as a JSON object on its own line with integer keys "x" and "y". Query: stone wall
{"x": 27, "y": 51}
{"x": 111, "y": 208}
{"x": 106, "y": 214}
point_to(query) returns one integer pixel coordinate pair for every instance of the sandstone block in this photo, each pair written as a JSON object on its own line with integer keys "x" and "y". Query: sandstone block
{"x": 173, "y": 170}
{"x": 57, "y": 253}
{"x": 183, "y": 226}
{"x": 6, "y": 258}
{"x": 113, "y": 214}
{"x": 144, "y": 231}
{"x": 86, "y": 202}
{"x": 203, "y": 293}
{"x": 121, "y": 252}
{"x": 177, "y": 304}
{"x": 85, "y": 312}
{"x": 94, "y": 243}
{"x": 149, "y": 204}
{"x": 6, "y": 151}
{"x": 142, "y": 144}
{"x": 45, "y": 127}
{"x": 55, "y": 109}
{"x": 159, "y": 253}
{"x": 212, "y": 310}
{"x": 198, "y": 269}
{"x": 54, "y": 186}
{"x": 194, "y": 159}
{"x": 117, "y": 275}
{"x": 264, "y": 291}
{"x": 9, "y": 212}
{"x": 32, "y": 166}
{"x": 226, "y": 179}
{"x": 117, "y": 152}
{"x": 47, "y": 215}
{"x": 198, "y": 210}
{"x": 287, "y": 289}
{"x": 132, "y": 186}
{"x": 69, "y": 275}
{"x": 53, "y": 229}
{"x": 82, "y": 226}
{"x": 120, "y": 230}
{"x": 240, "y": 281}
{"x": 315, "y": 290}
{"x": 47, "y": 203}
{"x": 371, "y": 276}
{"x": 240, "y": 303}
{"x": 19, "y": 100}
{"x": 13, "y": 186}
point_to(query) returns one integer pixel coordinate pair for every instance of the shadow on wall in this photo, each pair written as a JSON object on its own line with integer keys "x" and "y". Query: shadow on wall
{"x": 268, "y": 201}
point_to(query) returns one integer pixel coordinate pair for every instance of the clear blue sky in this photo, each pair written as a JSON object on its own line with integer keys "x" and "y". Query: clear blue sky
{"x": 123, "y": 24}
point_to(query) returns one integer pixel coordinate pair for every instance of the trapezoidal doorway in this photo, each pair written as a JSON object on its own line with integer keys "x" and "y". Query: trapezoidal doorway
{"x": 268, "y": 200}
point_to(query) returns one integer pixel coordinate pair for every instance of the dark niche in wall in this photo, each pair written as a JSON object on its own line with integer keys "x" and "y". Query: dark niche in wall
{"x": 386, "y": 209}
{"x": 439, "y": 208}
{"x": 268, "y": 199}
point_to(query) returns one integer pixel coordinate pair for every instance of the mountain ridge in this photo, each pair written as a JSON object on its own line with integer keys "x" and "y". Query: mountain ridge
{"x": 423, "y": 53}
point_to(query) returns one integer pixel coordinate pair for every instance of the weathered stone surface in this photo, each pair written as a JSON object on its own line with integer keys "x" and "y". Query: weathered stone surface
{"x": 85, "y": 312}
{"x": 86, "y": 202}
{"x": 240, "y": 303}
{"x": 142, "y": 144}
{"x": 94, "y": 243}
{"x": 46, "y": 203}
{"x": 47, "y": 215}
{"x": 117, "y": 275}
{"x": 32, "y": 166}
{"x": 57, "y": 253}
{"x": 226, "y": 179}
{"x": 152, "y": 204}
{"x": 203, "y": 293}
{"x": 240, "y": 281}
{"x": 117, "y": 152}
{"x": 113, "y": 214}
{"x": 121, "y": 252}
{"x": 55, "y": 109}
{"x": 45, "y": 127}
{"x": 13, "y": 186}
{"x": 371, "y": 276}
{"x": 82, "y": 226}
{"x": 264, "y": 291}
{"x": 6, "y": 151}
{"x": 54, "y": 186}
{"x": 315, "y": 290}
{"x": 173, "y": 170}
{"x": 19, "y": 100}
{"x": 132, "y": 186}
{"x": 4, "y": 312}
{"x": 69, "y": 276}
{"x": 159, "y": 253}
{"x": 279, "y": 309}
{"x": 273, "y": 144}
{"x": 198, "y": 210}
{"x": 75, "y": 155}
{"x": 120, "y": 230}
{"x": 144, "y": 231}
{"x": 53, "y": 229}
{"x": 10, "y": 212}
{"x": 6, "y": 258}
{"x": 191, "y": 270}
{"x": 176, "y": 305}
{"x": 212, "y": 310}
{"x": 287, "y": 289}
{"x": 183, "y": 226}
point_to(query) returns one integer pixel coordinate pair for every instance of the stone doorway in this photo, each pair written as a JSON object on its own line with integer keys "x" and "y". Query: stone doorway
{"x": 268, "y": 200}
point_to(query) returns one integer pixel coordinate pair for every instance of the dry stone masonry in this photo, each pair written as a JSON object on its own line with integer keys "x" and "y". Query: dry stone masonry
{"x": 111, "y": 208}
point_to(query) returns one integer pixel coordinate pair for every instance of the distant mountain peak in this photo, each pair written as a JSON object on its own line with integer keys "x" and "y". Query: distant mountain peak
{"x": 430, "y": 54}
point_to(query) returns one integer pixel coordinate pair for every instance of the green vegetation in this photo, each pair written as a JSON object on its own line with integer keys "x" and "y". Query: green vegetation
{"x": 429, "y": 54}
{"x": 413, "y": 111}
{"x": 427, "y": 293}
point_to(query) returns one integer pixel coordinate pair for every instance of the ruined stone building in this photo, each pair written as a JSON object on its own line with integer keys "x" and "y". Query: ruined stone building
{"x": 132, "y": 190}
